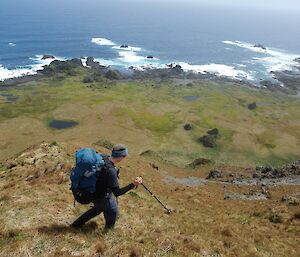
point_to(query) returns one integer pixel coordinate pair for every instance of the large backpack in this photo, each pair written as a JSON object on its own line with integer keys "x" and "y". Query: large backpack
{"x": 84, "y": 175}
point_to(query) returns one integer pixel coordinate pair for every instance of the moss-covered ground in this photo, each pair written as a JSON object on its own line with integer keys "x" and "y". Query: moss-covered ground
{"x": 151, "y": 115}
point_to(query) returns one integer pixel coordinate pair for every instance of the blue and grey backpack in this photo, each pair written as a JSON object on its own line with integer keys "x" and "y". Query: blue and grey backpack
{"x": 84, "y": 175}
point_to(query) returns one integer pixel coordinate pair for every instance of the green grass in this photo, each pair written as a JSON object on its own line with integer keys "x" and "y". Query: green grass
{"x": 159, "y": 111}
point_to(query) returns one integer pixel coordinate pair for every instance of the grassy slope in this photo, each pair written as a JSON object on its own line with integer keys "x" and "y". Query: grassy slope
{"x": 35, "y": 215}
{"x": 36, "y": 206}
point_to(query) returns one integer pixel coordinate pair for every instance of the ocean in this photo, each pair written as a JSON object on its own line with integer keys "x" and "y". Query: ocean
{"x": 199, "y": 37}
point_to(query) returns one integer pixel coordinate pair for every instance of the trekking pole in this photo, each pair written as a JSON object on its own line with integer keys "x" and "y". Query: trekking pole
{"x": 167, "y": 209}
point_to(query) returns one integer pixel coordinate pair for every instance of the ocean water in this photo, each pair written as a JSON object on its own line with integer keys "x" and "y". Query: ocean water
{"x": 200, "y": 37}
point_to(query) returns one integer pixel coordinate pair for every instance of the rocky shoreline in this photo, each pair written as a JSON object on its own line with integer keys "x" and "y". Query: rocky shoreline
{"x": 284, "y": 81}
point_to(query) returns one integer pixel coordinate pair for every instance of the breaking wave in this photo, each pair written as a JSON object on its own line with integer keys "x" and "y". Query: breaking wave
{"x": 27, "y": 70}
{"x": 102, "y": 41}
{"x": 217, "y": 69}
{"x": 271, "y": 58}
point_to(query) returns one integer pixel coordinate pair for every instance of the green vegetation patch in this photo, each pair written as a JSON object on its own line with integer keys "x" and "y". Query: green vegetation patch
{"x": 158, "y": 124}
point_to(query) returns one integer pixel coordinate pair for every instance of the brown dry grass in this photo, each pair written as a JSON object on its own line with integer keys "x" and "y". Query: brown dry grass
{"x": 35, "y": 217}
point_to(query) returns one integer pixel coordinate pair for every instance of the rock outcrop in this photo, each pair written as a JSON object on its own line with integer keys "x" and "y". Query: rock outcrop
{"x": 252, "y": 106}
{"x": 47, "y": 56}
{"x": 260, "y": 46}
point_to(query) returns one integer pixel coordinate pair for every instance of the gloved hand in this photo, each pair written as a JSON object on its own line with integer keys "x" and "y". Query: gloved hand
{"x": 138, "y": 181}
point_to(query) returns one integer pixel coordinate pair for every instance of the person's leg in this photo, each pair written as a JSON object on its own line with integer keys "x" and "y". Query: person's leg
{"x": 110, "y": 212}
{"x": 91, "y": 213}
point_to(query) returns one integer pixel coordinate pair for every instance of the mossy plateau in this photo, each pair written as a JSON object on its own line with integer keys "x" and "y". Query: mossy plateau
{"x": 150, "y": 115}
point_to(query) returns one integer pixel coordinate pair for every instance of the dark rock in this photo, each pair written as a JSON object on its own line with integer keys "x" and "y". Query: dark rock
{"x": 113, "y": 75}
{"x": 10, "y": 165}
{"x": 91, "y": 62}
{"x": 57, "y": 67}
{"x": 124, "y": 46}
{"x": 214, "y": 132}
{"x": 187, "y": 126}
{"x": 252, "y": 106}
{"x": 267, "y": 172}
{"x": 176, "y": 70}
{"x": 154, "y": 166}
{"x": 260, "y": 46}
{"x": 150, "y": 57}
{"x": 213, "y": 174}
{"x": 199, "y": 162}
{"x": 76, "y": 61}
{"x": 208, "y": 141}
{"x": 47, "y": 56}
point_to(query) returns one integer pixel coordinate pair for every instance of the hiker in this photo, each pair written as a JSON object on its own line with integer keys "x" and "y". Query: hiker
{"x": 107, "y": 183}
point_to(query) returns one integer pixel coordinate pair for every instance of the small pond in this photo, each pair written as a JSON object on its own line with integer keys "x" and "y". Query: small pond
{"x": 191, "y": 97}
{"x": 62, "y": 124}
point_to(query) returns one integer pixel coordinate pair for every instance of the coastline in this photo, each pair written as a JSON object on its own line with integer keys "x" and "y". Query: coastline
{"x": 285, "y": 81}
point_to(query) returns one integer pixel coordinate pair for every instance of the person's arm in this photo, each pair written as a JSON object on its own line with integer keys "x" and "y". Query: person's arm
{"x": 120, "y": 191}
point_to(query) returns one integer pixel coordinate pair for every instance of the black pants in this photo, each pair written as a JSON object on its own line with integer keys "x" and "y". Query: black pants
{"x": 109, "y": 208}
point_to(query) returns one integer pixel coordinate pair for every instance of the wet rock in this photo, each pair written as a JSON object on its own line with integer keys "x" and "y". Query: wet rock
{"x": 150, "y": 57}
{"x": 123, "y": 46}
{"x": 214, "y": 132}
{"x": 187, "y": 126}
{"x": 199, "y": 162}
{"x": 213, "y": 174}
{"x": 252, "y": 106}
{"x": 47, "y": 56}
{"x": 208, "y": 141}
{"x": 260, "y": 46}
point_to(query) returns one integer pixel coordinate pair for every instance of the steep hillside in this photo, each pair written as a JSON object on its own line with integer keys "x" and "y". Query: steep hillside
{"x": 210, "y": 218}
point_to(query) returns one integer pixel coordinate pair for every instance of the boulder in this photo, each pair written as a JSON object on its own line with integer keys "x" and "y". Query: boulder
{"x": 113, "y": 75}
{"x": 91, "y": 62}
{"x": 252, "y": 106}
{"x": 214, "y": 132}
{"x": 199, "y": 162}
{"x": 150, "y": 57}
{"x": 47, "y": 56}
{"x": 208, "y": 141}
{"x": 187, "y": 126}
{"x": 213, "y": 174}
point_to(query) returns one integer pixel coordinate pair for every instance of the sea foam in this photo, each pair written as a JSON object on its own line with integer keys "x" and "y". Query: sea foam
{"x": 272, "y": 59}
{"x": 217, "y": 69}
{"x": 102, "y": 41}
{"x": 27, "y": 70}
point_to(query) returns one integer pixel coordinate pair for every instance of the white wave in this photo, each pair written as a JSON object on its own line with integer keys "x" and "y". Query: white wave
{"x": 102, "y": 41}
{"x": 8, "y": 74}
{"x": 83, "y": 61}
{"x": 11, "y": 44}
{"x": 273, "y": 59}
{"x": 27, "y": 70}
{"x": 128, "y": 48}
{"x": 130, "y": 57}
{"x": 217, "y": 69}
